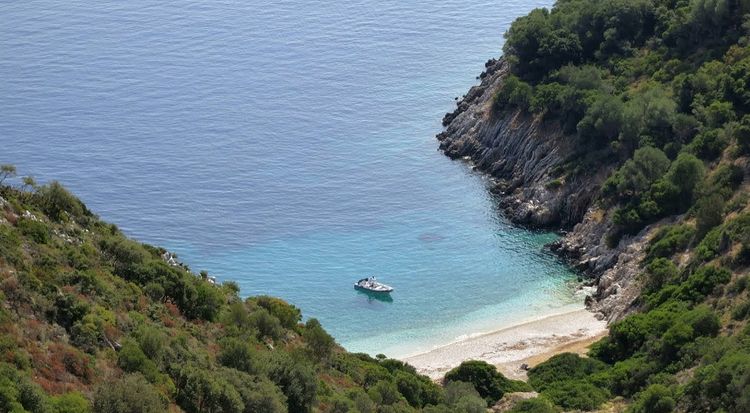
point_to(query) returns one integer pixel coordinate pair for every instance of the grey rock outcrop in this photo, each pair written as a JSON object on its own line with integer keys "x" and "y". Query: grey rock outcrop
{"x": 528, "y": 159}
{"x": 522, "y": 152}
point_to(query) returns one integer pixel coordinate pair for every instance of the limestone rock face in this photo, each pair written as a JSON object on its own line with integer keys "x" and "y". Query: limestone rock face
{"x": 523, "y": 153}
{"x": 528, "y": 161}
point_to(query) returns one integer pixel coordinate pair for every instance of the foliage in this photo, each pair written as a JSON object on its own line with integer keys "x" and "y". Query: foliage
{"x": 535, "y": 405}
{"x": 513, "y": 93}
{"x": 318, "y": 341}
{"x": 488, "y": 382}
{"x": 563, "y": 367}
{"x": 130, "y": 394}
{"x": 145, "y": 334}
{"x": 655, "y": 399}
{"x": 580, "y": 395}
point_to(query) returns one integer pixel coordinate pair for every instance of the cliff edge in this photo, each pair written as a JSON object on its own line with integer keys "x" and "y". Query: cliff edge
{"x": 530, "y": 161}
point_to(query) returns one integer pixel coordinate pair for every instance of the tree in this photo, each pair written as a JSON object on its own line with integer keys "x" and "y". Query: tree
{"x": 513, "y": 93}
{"x": 709, "y": 212}
{"x": 201, "y": 391}
{"x": 637, "y": 174}
{"x": 130, "y": 394}
{"x": 318, "y": 341}
{"x": 685, "y": 173}
{"x": 459, "y": 393}
{"x": 603, "y": 120}
{"x": 385, "y": 393}
{"x": 71, "y": 403}
{"x": 56, "y": 200}
{"x": 240, "y": 355}
{"x": 297, "y": 380}
{"x": 288, "y": 315}
{"x": 258, "y": 393}
{"x": 488, "y": 382}
{"x": 7, "y": 171}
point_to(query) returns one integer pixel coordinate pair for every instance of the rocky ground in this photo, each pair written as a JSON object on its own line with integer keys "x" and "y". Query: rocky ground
{"x": 529, "y": 161}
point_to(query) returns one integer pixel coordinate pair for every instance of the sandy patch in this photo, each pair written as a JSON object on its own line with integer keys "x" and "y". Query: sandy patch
{"x": 530, "y": 342}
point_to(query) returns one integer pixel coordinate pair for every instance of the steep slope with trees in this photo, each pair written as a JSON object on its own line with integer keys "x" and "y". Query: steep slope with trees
{"x": 91, "y": 321}
{"x": 627, "y": 122}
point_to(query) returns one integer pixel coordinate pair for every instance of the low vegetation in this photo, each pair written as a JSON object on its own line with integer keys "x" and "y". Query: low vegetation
{"x": 659, "y": 92}
{"x": 91, "y": 321}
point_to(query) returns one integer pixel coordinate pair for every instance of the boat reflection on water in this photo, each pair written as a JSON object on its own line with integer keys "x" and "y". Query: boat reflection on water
{"x": 371, "y": 296}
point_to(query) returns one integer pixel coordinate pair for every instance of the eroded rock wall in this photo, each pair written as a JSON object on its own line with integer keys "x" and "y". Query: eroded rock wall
{"x": 528, "y": 159}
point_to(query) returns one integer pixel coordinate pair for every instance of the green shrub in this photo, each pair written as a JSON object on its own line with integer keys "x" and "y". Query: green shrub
{"x": 36, "y": 230}
{"x": 603, "y": 120}
{"x": 709, "y": 144}
{"x": 10, "y": 245}
{"x": 563, "y": 367}
{"x": 488, "y": 382}
{"x": 670, "y": 240}
{"x": 576, "y": 394}
{"x": 265, "y": 324}
{"x": 659, "y": 272}
{"x": 240, "y": 355}
{"x": 320, "y": 343}
{"x": 702, "y": 282}
{"x": 721, "y": 384}
{"x": 710, "y": 245}
{"x": 655, "y": 399}
{"x": 296, "y": 379}
{"x": 385, "y": 393}
{"x": 741, "y": 311}
{"x": 132, "y": 359}
{"x": 462, "y": 396}
{"x": 55, "y": 200}
{"x": 535, "y": 405}
{"x": 258, "y": 394}
{"x": 71, "y": 403}
{"x": 288, "y": 315}
{"x": 199, "y": 390}
{"x": 514, "y": 92}
{"x": 709, "y": 212}
{"x": 130, "y": 394}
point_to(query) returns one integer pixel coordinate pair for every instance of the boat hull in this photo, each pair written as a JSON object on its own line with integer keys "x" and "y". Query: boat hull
{"x": 370, "y": 290}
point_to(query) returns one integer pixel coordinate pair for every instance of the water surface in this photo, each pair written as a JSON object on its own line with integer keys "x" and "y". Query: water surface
{"x": 285, "y": 145}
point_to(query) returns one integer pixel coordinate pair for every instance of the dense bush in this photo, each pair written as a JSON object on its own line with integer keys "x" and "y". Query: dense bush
{"x": 579, "y": 395}
{"x": 130, "y": 394}
{"x": 535, "y": 405}
{"x": 488, "y": 382}
{"x": 513, "y": 93}
{"x": 562, "y": 367}
{"x": 655, "y": 399}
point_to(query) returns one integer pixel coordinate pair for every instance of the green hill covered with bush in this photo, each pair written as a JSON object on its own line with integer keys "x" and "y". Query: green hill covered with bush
{"x": 91, "y": 321}
{"x": 659, "y": 93}
{"x": 656, "y": 91}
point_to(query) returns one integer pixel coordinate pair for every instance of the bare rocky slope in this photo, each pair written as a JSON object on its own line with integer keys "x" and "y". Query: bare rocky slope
{"x": 527, "y": 158}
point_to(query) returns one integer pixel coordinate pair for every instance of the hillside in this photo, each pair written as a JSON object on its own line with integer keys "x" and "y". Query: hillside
{"x": 626, "y": 123}
{"x": 93, "y": 321}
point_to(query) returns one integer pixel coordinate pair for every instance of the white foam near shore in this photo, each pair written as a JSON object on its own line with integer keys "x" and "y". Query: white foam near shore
{"x": 511, "y": 346}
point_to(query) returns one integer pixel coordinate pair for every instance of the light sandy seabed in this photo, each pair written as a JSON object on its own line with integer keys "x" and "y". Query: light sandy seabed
{"x": 531, "y": 342}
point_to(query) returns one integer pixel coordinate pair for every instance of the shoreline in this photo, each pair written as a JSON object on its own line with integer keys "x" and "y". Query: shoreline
{"x": 529, "y": 342}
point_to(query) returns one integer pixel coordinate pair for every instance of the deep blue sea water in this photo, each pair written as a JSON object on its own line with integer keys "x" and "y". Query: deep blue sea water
{"x": 288, "y": 146}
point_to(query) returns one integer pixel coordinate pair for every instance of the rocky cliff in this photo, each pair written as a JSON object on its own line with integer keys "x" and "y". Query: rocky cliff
{"x": 530, "y": 162}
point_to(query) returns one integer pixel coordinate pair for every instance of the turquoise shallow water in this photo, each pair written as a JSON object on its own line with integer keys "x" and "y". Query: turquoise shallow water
{"x": 285, "y": 145}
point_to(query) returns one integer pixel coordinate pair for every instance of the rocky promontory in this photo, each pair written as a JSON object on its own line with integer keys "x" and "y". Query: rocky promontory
{"x": 531, "y": 162}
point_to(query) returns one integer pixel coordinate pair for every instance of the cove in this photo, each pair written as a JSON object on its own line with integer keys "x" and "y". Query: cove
{"x": 287, "y": 146}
